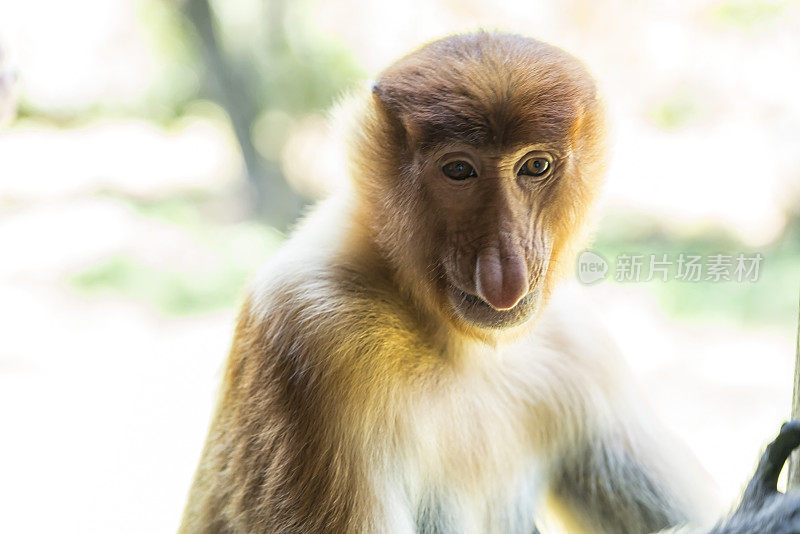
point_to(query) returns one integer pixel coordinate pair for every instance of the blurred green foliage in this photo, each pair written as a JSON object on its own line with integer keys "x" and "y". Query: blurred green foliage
{"x": 771, "y": 300}
{"x": 237, "y": 249}
{"x": 305, "y": 68}
{"x": 747, "y": 14}
{"x": 676, "y": 111}
{"x": 179, "y": 81}
{"x": 296, "y": 72}
{"x": 275, "y": 73}
{"x": 169, "y": 292}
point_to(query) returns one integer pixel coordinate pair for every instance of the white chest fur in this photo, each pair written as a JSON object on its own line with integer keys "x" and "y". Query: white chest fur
{"x": 466, "y": 460}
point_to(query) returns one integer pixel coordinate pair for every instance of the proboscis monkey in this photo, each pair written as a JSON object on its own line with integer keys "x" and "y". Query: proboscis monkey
{"x": 407, "y": 365}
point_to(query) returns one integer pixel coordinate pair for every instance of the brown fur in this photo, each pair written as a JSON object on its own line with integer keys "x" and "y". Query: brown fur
{"x": 355, "y": 398}
{"x": 495, "y": 93}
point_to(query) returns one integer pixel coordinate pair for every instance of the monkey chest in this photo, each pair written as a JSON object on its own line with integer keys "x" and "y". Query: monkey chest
{"x": 449, "y": 510}
{"x": 461, "y": 475}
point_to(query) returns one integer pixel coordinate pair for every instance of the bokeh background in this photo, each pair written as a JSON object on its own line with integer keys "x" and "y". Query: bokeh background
{"x": 161, "y": 149}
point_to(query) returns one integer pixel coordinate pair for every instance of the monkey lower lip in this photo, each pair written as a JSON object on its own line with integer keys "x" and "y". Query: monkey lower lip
{"x": 484, "y": 303}
{"x": 477, "y": 301}
{"x": 475, "y": 310}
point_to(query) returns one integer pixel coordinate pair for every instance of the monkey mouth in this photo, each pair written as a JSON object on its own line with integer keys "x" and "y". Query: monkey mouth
{"x": 474, "y": 310}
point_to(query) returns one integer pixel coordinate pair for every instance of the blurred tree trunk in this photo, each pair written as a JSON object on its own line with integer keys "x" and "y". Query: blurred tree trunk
{"x": 272, "y": 197}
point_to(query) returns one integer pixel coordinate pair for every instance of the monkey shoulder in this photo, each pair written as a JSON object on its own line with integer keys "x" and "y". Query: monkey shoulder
{"x": 324, "y": 318}
{"x": 316, "y": 288}
{"x": 320, "y": 296}
{"x": 302, "y": 369}
{"x": 571, "y": 336}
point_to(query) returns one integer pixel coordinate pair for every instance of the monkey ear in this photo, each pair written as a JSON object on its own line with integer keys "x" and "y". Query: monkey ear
{"x": 391, "y": 103}
{"x": 373, "y": 86}
{"x": 384, "y": 96}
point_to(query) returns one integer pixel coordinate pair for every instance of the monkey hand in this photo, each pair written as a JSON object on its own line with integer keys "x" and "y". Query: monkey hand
{"x": 763, "y": 508}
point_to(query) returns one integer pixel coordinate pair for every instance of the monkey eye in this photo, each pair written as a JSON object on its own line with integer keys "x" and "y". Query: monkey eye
{"x": 459, "y": 170}
{"x": 535, "y": 167}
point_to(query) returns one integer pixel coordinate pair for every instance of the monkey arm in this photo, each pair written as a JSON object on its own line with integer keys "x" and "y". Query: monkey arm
{"x": 614, "y": 468}
{"x": 604, "y": 488}
{"x": 763, "y": 508}
{"x": 292, "y": 434}
{"x": 620, "y": 472}
{"x": 608, "y": 486}
{"x": 268, "y": 464}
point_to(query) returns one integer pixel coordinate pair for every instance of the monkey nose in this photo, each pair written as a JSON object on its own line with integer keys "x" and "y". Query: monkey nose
{"x": 501, "y": 281}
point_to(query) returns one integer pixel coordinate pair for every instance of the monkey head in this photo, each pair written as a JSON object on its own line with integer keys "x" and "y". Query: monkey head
{"x": 481, "y": 155}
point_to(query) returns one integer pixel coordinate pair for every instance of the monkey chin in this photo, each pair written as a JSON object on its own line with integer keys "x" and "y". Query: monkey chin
{"x": 475, "y": 311}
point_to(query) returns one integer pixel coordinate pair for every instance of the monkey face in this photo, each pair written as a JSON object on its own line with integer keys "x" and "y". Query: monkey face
{"x": 491, "y": 209}
{"x": 485, "y": 152}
